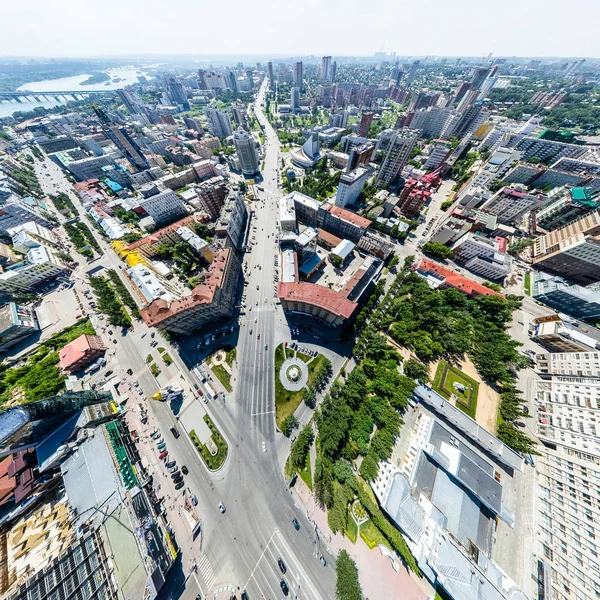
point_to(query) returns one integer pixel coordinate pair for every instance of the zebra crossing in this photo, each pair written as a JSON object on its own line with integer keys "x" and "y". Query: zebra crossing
{"x": 206, "y": 572}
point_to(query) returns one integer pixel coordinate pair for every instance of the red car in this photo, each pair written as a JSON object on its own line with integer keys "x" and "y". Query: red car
{"x": 163, "y": 454}
{"x": 199, "y": 392}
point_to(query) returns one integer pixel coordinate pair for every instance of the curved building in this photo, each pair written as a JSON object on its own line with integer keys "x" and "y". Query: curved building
{"x": 309, "y": 154}
{"x": 246, "y": 151}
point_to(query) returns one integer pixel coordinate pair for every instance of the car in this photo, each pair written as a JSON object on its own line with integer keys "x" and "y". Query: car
{"x": 196, "y": 387}
{"x": 152, "y": 334}
{"x": 282, "y": 566}
{"x": 161, "y": 446}
{"x": 174, "y": 432}
{"x": 194, "y": 500}
{"x": 114, "y": 341}
{"x": 171, "y": 464}
{"x": 296, "y": 524}
{"x": 221, "y": 507}
{"x": 322, "y": 560}
{"x": 245, "y": 595}
{"x": 130, "y": 372}
{"x": 163, "y": 454}
{"x": 266, "y": 346}
{"x": 292, "y": 438}
{"x": 176, "y": 475}
{"x": 284, "y": 587}
{"x": 184, "y": 470}
{"x": 199, "y": 392}
{"x": 110, "y": 332}
{"x": 173, "y": 469}
{"x": 258, "y": 336}
{"x": 179, "y": 485}
{"x": 250, "y": 331}
{"x": 159, "y": 440}
{"x": 264, "y": 447}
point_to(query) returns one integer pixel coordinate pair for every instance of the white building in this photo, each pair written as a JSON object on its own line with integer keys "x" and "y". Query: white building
{"x": 164, "y": 207}
{"x": 438, "y": 154}
{"x": 431, "y": 121}
{"x": 29, "y": 235}
{"x": 568, "y": 472}
{"x": 399, "y": 148}
{"x": 149, "y": 284}
{"x": 246, "y": 152}
{"x": 482, "y": 256}
{"x": 351, "y": 185}
{"x": 287, "y": 214}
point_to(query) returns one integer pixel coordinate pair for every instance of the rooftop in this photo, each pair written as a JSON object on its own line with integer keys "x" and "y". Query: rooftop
{"x": 346, "y": 215}
{"x": 317, "y": 295}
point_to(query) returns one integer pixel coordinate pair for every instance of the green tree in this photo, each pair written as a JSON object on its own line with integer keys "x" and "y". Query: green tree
{"x": 347, "y": 584}
{"x": 417, "y": 370}
{"x": 437, "y": 250}
{"x": 288, "y": 424}
{"x": 301, "y": 447}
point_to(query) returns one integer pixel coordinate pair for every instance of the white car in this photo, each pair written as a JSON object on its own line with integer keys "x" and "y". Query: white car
{"x": 264, "y": 447}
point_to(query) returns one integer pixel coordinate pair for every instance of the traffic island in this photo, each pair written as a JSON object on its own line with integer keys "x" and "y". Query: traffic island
{"x": 214, "y": 451}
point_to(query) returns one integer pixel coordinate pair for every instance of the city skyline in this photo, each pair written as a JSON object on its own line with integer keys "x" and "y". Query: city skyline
{"x": 442, "y": 29}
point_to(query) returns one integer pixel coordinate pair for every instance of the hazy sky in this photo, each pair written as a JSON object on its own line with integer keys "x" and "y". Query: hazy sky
{"x": 70, "y": 28}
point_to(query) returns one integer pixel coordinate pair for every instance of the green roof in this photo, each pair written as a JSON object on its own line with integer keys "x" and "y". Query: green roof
{"x": 585, "y": 196}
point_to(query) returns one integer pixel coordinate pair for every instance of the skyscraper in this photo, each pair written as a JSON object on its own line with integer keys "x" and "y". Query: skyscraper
{"x": 202, "y": 79}
{"x": 333, "y": 70}
{"x": 413, "y": 73}
{"x": 399, "y": 148}
{"x": 231, "y": 79}
{"x": 271, "y": 76}
{"x": 128, "y": 99}
{"x": 326, "y": 68}
{"x": 177, "y": 93}
{"x": 219, "y": 122}
{"x": 246, "y": 152}
{"x": 479, "y": 76}
{"x": 295, "y": 99}
{"x": 365, "y": 124}
{"x": 396, "y": 76}
{"x": 298, "y": 75}
{"x": 250, "y": 78}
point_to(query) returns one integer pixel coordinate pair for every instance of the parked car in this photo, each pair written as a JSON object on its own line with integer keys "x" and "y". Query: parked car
{"x": 171, "y": 464}
{"x": 284, "y": 587}
{"x": 163, "y": 454}
{"x": 281, "y": 565}
{"x": 179, "y": 485}
{"x": 161, "y": 446}
{"x": 184, "y": 470}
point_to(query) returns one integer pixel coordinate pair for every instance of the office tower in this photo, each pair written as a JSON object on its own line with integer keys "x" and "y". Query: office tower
{"x": 351, "y": 185}
{"x": 470, "y": 120}
{"x": 359, "y": 156}
{"x": 231, "y": 80}
{"x": 399, "y": 148}
{"x": 298, "y": 75}
{"x": 365, "y": 124}
{"x": 461, "y": 90}
{"x": 129, "y": 100}
{"x": 412, "y": 73}
{"x": 250, "y": 78}
{"x": 126, "y": 144}
{"x": 246, "y": 152}
{"x": 219, "y": 122}
{"x": 177, "y": 93}
{"x": 271, "y": 76}
{"x": 333, "y": 70}
{"x": 326, "y": 68}
{"x": 479, "y": 76}
{"x": 396, "y": 76}
{"x": 568, "y": 471}
{"x": 240, "y": 116}
{"x": 202, "y": 85}
{"x": 295, "y": 99}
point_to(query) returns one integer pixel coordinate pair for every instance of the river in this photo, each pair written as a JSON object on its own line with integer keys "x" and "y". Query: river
{"x": 127, "y": 75}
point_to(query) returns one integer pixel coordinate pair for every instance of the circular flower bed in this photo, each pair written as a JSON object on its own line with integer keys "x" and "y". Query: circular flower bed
{"x": 293, "y": 373}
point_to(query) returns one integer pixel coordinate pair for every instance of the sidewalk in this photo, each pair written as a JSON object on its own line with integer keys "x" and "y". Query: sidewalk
{"x": 377, "y": 576}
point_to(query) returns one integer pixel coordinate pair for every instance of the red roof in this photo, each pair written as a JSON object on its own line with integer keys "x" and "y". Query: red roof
{"x": 328, "y": 238}
{"x": 453, "y": 279}
{"x": 317, "y": 295}
{"x": 346, "y": 215}
{"x": 78, "y": 349}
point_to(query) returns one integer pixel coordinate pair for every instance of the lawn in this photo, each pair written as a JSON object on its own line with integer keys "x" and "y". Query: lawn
{"x": 527, "y": 283}
{"x": 212, "y": 462}
{"x": 304, "y": 357}
{"x": 352, "y": 530}
{"x": 223, "y": 376}
{"x": 371, "y": 536}
{"x": 230, "y": 354}
{"x": 167, "y": 359}
{"x": 445, "y": 378}
{"x": 306, "y": 474}
{"x": 155, "y": 370}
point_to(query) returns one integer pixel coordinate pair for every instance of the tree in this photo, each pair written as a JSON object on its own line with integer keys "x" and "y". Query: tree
{"x": 437, "y": 250}
{"x": 347, "y": 584}
{"x": 368, "y": 468}
{"x": 417, "y": 370}
{"x": 288, "y": 424}
{"x": 336, "y": 260}
{"x": 301, "y": 447}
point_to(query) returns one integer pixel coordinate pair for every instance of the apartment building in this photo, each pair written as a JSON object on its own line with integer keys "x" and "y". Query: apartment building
{"x": 164, "y": 207}
{"x": 568, "y": 472}
{"x": 511, "y": 204}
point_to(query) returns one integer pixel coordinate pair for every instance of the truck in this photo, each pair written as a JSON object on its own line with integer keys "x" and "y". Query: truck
{"x": 92, "y": 368}
{"x": 210, "y": 393}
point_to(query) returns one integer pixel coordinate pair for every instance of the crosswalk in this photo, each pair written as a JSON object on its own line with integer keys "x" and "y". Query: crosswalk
{"x": 206, "y": 572}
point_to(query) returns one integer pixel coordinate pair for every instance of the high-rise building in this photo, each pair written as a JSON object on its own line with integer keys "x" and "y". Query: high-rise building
{"x": 412, "y": 73}
{"x": 326, "y": 68}
{"x": 399, "y": 148}
{"x": 250, "y": 78}
{"x": 177, "y": 93}
{"x": 127, "y": 145}
{"x": 16, "y": 323}
{"x": 231, "y": 79}
{"x": 295, "y": 99}
{"x": 194, "y": 124}
{"x": 299, "y": 75}
{"x": 271, "y": 75}
{"x": 571, "y": 251}
{"x": 567, "y": 470}
{"x": 333, "y": 70}
{"x": 129, "y": 100}
{"x": 351, "y": 185}
{"x": 246, "y": 152}
{"x": 240, "y": 116}
{"x": 202, "y": 79}
{"x": 396, "y": 76}
{"x": 359, "y": 156}
{"x": 479, "y": 76}
{"x": 470, "y": 120}
{"x": 365, "y": 124}
{"x": 219, "y": 122}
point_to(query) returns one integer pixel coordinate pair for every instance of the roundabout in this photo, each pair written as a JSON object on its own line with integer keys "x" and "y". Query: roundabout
{"x": 293, "y": 374}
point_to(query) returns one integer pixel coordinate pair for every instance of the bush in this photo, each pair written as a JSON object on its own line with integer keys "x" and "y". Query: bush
{"x": 347, "y": 586}
{"x": 155, "y": 370}
{"x": 437, "y": 250}
{"x": 288, "y": 425}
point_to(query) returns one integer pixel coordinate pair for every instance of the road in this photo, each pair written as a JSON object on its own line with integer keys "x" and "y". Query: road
{"x": 240, "y": 548}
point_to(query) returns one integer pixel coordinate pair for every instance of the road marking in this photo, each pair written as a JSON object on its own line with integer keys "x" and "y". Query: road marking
{"x": 206, "y": 571}
{"x": 266, "y": 412}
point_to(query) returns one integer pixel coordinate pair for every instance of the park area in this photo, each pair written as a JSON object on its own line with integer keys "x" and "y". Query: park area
{"x": 453, "y": 384}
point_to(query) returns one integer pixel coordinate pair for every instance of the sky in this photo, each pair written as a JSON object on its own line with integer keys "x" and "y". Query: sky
{"x": 89, "y": 28}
